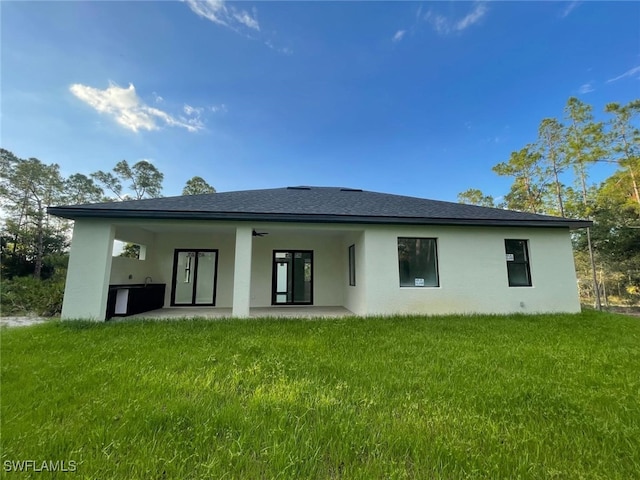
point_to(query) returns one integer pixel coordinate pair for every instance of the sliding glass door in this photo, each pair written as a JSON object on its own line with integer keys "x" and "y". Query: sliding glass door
{"x": 194, "y": 277}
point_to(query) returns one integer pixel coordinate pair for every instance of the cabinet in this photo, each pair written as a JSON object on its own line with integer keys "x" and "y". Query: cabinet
{"x": 125, "y": 300}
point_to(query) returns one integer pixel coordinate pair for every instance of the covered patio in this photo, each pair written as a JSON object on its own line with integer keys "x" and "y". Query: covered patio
{"x": 188, "y": 269}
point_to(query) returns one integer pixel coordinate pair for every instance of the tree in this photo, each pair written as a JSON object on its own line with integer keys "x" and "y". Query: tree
{"x": 196, "y": 186}
{"x": 583, "y": 146}
{"x": 130, "y": 250}
{"x": 27, "y": 188}
{"x": 81, "y": 189}
{"x": 625, "y": 141}
{"x": 142, "y": 179}
{"x": 583, "y": 143}
{"x": 473, "y": 196}
{"x": 528, "y": 188}
{"x": 616, "y": 232}
{"x": 550, "y": 142}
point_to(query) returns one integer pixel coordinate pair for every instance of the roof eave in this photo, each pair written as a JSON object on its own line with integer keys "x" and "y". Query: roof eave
{"x": 75, "y": 213}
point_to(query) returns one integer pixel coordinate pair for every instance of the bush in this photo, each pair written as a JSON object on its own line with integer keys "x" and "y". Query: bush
{"x": 31, "y": 296}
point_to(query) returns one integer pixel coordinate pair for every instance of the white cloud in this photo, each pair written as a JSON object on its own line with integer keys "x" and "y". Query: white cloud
{"x": 157, "y": 98}
{"x": 218, "y": 12}
{"x": 222, "y": 108}
{"x": 444, "y": 25}
{"x": 398, "y": 36}
{"x": 247, "y": 20}
{"x": 438, "y": 22}
{"x": 124, "y": 105}
{"x": 189, "y": 110}
{"x": 283, "y": 50}
{"x": 586, "y": 88}
{"x": 472, "y": 17}
{"x": 628, "y": 73}
{"x": 569, "y": 8}
{"x": 242, "y": 22}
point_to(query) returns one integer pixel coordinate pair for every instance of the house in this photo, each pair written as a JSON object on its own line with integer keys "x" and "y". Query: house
{"x": 371, "y": 253}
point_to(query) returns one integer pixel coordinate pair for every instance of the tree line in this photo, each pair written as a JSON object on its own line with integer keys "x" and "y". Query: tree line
{"x": 551, "y": 176}
{"x": 34, "y": 243}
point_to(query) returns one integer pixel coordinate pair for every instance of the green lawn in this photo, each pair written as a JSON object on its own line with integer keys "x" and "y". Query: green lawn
{"x": 555, "y": 396}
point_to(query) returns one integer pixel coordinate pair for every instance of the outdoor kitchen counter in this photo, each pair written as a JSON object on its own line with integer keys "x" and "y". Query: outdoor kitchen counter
{"x": 125, "y": 300}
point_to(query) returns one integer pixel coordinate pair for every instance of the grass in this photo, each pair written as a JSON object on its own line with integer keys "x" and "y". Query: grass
{"x": 552, "y": 396}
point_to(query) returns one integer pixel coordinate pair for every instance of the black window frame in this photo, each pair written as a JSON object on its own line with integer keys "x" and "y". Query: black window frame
{"x": 526, "y": 262}
{"x": 352, "y": 265}
{"x": 436, "y": 263}
{"x": 291, "y": 276}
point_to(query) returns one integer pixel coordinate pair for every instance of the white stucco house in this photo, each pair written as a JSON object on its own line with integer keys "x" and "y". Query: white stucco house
{"x": 370, "y": 253}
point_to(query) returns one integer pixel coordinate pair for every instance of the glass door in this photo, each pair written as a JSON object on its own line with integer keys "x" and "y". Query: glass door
{"x": 292, "y": 278}
{"x": 194, "y": 277}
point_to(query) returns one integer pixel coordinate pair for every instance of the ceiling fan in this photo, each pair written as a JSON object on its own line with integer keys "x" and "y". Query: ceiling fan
{"x": 259, "y": 234}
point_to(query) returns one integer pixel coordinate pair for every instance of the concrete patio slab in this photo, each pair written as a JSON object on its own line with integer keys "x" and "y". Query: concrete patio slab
{"x": 267, "y": 312}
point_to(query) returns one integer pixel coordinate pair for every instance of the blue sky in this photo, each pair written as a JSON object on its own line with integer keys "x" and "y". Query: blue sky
{"x": 413, "y": 98}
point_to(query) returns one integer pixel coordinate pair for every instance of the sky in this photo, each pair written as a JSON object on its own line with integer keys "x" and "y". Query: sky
{"x": 410, "y": 98}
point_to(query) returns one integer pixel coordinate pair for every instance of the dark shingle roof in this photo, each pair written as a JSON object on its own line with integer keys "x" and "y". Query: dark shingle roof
{"x": 312, "y": 204}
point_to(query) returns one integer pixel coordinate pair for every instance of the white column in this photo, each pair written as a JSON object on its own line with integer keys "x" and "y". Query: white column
{"x": 242, "y": 273}
{"x": 85, "y": 293}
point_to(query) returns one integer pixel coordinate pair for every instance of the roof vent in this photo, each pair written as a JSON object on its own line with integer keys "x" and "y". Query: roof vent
{"x": 350, "y": 189}
{"x": 298, "y": 188}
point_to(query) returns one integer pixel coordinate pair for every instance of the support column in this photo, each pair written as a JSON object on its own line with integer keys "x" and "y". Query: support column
{"x": 87, "y": 286}
{"x": 242, "y": 272}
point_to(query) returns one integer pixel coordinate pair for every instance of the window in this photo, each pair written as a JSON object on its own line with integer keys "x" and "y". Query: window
{"x": 518, "y": 263}
{"x": 352, "y": 265}
{"x": 418, "y": 262}
{"x": 129, "y": 250}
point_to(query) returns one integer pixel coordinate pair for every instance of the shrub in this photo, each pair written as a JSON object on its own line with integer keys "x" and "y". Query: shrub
{"x": 31, "y": 296}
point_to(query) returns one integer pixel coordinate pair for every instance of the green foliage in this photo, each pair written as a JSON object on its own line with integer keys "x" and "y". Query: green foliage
{"x": 143, "y": 179}
{"x": 625, "y": 142}
{"x": 82, "y": 189}
{"x": 584, "y": 142}
{"x": 32, "y": 296}
{"x": 554, "y": 161}
{"x": 197, "y": 186}
{"x": 27, "y": 188}
{"x": 130, "y": 250}
{"x": 528, "y": 189}
{"x": 473, "y": 196}
{"x": 529, "y": 397}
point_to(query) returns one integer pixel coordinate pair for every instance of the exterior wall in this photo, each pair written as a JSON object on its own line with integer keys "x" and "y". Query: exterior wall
{"x": 471, "y": 262}
{"x": 354, "y": 296}
{"x": 87, "y": 285}
{"x": 472, "y": 272}
{"x": 122, "y": 268}
{"x": 329, "y": 260}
